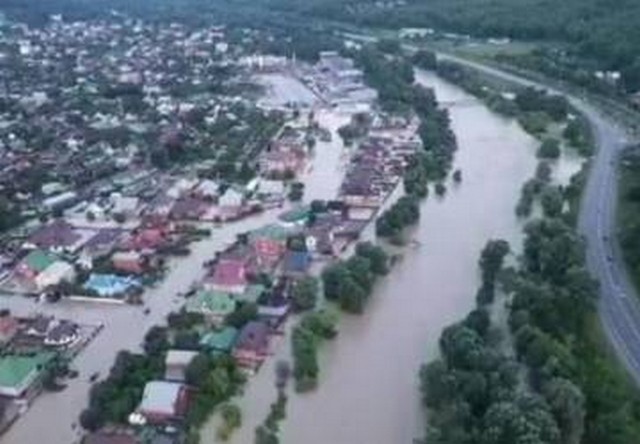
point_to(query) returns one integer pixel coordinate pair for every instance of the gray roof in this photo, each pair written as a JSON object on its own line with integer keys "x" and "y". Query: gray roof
{"x": 160, "y": 397}
{"x": 180, "y": 357}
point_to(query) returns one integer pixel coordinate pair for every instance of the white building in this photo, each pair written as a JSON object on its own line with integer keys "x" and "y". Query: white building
{"x": 54, "y": 274}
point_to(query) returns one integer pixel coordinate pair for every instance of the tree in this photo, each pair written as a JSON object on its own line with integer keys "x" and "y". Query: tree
{"x": 549, "y": 149}
{"x": 524, "y": 420}
{"x": 378, "y": 258}
{"x": 437, "y": 384}
{"x": 567, "y": 404}
{"x": 305, "y": 293}
{"x": 265, "y": 436}
{"x": 552, "y": 201}
{"x": 491, "y": 260}
{"x": 91, "y": 419}
{"x": 119, "y": 217}
{"x": 322, "y": 323}
{"x": 479, "y": 321}
{"x": 425, "y": 59}
{"x": 389, "y": 46}
{"x": 184, "y": 320}
{"x": 296, "y": 192}
{"x": 543, "y": 172}
{"x": 360, "y": 270}
{"x": 461, "y": 347}
{"x": 156, "y": 340}
{"x": 353, "y": 297}
{"x": 246, "y": 312}
{"x": 198, "y": 369}
{"x": 333, "y": 278}
{"x": 187, "y": 340}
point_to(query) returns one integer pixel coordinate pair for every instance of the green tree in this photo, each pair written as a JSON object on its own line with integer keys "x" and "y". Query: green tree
{"x": 522, "y": 421}
{"x": 305, "y": 293}
{"x": 552, "y": 201}
{"x": 549, "y": 149}
{"x": 425, "y": 59}
{"x": 567, "y": 404}
{"x": 156, "y": 341}
{"x": 246, "y": 312}
{"x": 378, "y": 258}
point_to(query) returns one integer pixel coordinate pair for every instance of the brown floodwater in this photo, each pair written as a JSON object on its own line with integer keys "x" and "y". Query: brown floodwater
{"x": 368, "y": 389}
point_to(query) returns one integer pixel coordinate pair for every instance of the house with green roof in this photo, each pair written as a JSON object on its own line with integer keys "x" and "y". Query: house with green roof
{"x": 275, "y": 232}
{"x": 35, "y": 263}
{"x": 251, "y": 293}
{"x": 295, "y": 216}
{"x": 214, "y": 305}
{"x": 19, "y": 374}
{"x": 219, "y": 341}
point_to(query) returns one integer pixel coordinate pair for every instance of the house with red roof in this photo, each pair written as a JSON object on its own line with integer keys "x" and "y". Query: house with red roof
{"x": 268, "y": 253}
{"x": 129, "y": 262}
{"x": 229, "y": 275}
{"x": 146, "y": 239}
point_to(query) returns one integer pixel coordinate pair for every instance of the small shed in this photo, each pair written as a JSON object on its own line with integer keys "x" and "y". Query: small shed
{"x": 176, "y": 364}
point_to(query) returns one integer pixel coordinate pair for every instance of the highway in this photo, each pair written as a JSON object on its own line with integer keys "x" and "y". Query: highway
{"x": 618, "y": 305}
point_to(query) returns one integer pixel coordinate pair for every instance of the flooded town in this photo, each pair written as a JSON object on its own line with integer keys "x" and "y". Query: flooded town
{"x": 203, "y": 228}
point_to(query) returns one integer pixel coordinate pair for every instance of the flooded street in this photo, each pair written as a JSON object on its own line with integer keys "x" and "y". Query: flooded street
{"x": 125, "y": 327}
{"x": 368, "y": 385}
{"x": 368, "y": 388}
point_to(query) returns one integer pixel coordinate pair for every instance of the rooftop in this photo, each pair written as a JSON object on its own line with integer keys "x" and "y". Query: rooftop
{"x": 163, "y": 398}
{"x": 219, "y": 340}
{"x": 214, "y": 302}
{"x": 14, "y": 369}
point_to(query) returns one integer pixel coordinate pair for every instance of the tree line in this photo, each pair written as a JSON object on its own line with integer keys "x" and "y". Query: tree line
{"x": 563, "y": 387}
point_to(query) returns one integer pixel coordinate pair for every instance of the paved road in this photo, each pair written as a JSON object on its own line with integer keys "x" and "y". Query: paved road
{"x": 619, "y": 306}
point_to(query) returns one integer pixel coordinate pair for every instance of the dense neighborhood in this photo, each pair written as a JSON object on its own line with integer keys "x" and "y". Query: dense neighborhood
{"x": 127, "y": 148}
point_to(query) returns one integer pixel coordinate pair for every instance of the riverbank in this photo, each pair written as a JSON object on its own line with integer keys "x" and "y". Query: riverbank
{"x": 548, "y": 346}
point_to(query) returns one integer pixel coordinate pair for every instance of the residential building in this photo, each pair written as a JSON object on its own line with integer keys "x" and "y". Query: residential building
{"x": 20, "y": 375}
{"x": 252, "y": 344}
{"x": 163, "y": 402}
{"x": 129, "y": 262}
{"x": 214, "y": 305}
{"x": 54, "y": 274}
{"x": 176, "y": 364}
{"x": 228, "y": 276}
{"x": 219, "y": 341}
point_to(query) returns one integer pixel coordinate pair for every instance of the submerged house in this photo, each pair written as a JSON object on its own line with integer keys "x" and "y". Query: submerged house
{"x": 58, "y": 236}
{"x": 162, "y": 402}
{"x": 215, "y": 306}
{"x": 111, "y": 285}
{"x": 219, "y": 341}
{"x": 252, "y": 344}
{"x": 129, "y": 262}
{"x": 34, "y": 263}
{"x": 229, "y": 275}
{"x": 20, "y": 375}
{"x": 176, "y": 363}
{"x": 296, "y": 263}
{"x": 54, "y": 274}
